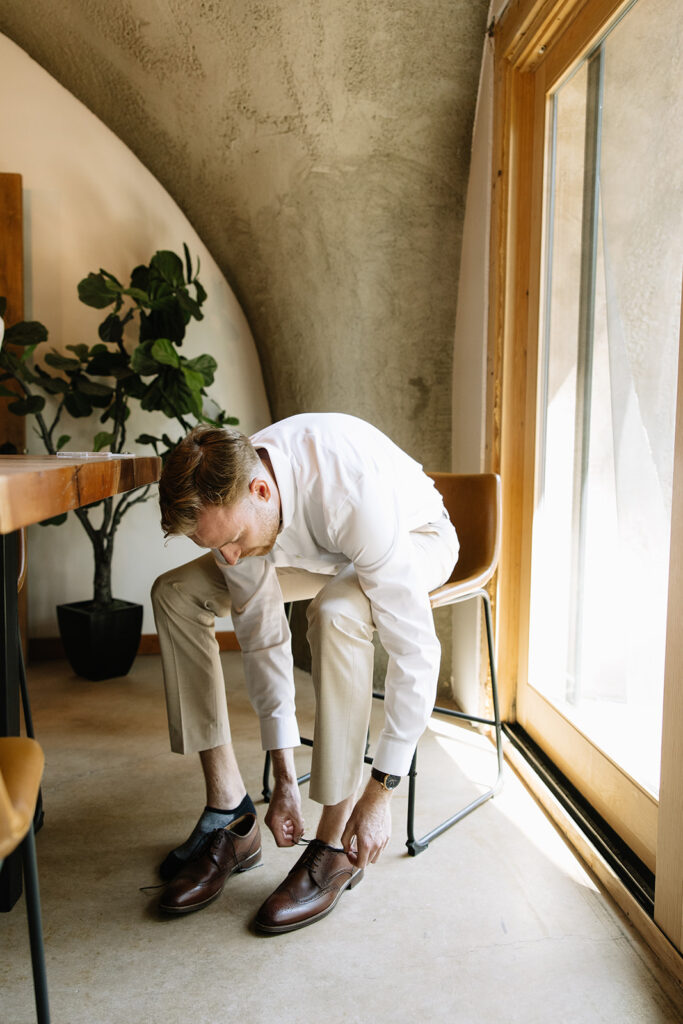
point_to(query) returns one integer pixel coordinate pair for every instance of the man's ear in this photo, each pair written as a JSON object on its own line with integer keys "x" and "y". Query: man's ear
{"x": 260, "y": 488}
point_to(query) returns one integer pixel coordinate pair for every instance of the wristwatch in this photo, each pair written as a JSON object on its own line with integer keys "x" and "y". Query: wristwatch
{"x": 388, "y": 782}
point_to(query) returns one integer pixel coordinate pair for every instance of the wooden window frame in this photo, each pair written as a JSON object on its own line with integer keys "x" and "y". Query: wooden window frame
{"x": 539, "y": 42}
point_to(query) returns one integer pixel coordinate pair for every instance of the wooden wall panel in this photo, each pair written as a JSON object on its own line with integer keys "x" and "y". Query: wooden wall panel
{"x": 13, "y": 428}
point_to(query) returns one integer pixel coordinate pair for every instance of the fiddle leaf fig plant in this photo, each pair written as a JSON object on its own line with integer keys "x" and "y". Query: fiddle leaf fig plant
{"x": 137, "y": 359}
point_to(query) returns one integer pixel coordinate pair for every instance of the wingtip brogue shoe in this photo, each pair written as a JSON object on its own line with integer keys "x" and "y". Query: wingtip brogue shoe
{"x": 310, "y": 891}
{"x": 225, "y": 852}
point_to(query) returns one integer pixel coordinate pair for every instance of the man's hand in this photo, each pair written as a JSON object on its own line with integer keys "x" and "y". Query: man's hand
{"x": 370, "y": 824}
{"x": 284, "y": 818}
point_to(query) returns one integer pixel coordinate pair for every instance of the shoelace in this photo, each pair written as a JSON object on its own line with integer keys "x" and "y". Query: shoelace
{"x": 316, "y": 847}
{"x": 312, "y": 842}
{"x": 209, "y": 843}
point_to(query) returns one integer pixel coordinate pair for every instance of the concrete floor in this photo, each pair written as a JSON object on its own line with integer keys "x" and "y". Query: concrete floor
{"x": 496, "y": 922}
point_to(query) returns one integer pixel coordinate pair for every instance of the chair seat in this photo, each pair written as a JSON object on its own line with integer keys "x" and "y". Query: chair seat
{"x": 458, "y": 590}
{"x": 21, "y": 769}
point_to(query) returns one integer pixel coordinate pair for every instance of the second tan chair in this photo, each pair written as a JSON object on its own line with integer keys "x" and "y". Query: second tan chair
{"x": 21, "y": 769}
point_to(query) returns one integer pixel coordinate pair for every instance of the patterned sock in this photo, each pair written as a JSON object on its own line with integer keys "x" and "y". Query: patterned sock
{"x": 211, "y": 819}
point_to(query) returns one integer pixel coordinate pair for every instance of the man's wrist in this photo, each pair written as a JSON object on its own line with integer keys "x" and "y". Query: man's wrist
{"x": 284, "y": 769}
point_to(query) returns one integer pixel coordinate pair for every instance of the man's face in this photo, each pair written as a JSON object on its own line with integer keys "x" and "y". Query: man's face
{"x": 242, "y": 530}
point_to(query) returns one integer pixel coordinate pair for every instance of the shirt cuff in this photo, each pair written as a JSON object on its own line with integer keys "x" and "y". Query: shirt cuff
{"x": 393, "y": 756}
{"x": 279, "y": 733}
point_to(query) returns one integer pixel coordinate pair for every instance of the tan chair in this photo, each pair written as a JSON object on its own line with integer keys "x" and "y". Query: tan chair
{"x": 21, "y": 769}
{"x": 474, "y": 506}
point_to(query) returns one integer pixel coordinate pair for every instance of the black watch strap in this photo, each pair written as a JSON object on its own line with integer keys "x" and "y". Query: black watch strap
{"x": 389, "y": 782}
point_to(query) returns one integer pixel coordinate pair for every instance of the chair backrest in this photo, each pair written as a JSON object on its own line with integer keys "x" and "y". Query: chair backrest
{"x": 473, "y": 503}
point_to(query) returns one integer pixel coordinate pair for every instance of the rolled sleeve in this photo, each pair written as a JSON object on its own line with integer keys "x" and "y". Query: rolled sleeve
{"x": 384, "y": 558}
{"x": 262, "y": 630}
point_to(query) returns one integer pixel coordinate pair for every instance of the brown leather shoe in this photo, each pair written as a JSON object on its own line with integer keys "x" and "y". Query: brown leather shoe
{"x": 310, "y": 890}
{"x": 225, "y": 852}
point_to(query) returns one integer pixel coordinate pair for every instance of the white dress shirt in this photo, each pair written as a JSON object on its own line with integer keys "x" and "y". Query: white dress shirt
{"x": 348, "y": 494}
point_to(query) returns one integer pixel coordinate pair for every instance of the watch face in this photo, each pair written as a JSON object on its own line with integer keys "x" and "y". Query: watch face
{"x": 391, "y": 781}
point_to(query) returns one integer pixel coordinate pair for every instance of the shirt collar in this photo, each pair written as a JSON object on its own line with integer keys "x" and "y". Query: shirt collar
{"x": 284, "y": 478}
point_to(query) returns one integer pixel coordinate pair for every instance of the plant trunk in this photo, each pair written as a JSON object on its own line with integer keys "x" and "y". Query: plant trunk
{"x": 102, "y": 578}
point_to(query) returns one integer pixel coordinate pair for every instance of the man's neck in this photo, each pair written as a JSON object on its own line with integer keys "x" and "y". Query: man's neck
{"x": 268, "y": 466}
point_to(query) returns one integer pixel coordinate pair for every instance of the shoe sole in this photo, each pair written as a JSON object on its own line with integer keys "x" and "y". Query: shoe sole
{"x": 246, "y": 865}
{"x": 276, "y": 929}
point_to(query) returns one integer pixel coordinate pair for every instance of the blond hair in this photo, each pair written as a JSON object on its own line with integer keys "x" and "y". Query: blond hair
{"x": 210, "y": 466}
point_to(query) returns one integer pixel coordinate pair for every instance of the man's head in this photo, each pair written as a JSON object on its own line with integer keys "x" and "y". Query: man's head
{"x": 215, "y": 489}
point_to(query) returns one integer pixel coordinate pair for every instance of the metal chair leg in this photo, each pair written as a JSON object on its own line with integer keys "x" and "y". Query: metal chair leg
{"x": 35, "y": 927}
{"x": 414, "y": 845}
{"x": 266, "y": 791}
{"x": 39, "y": 814}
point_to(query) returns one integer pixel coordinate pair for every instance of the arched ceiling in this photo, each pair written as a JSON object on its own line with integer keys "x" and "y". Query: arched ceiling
{"x": 321, "y": 149}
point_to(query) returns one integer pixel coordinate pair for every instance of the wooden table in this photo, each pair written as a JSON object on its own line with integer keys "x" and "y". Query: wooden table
{"x": 33, "y": 488}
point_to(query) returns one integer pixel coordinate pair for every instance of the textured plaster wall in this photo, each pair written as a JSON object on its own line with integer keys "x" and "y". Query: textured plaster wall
{"x": 320, "y": 148}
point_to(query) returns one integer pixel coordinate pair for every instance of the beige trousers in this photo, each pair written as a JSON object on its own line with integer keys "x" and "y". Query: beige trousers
{"x": 186, "y": 601}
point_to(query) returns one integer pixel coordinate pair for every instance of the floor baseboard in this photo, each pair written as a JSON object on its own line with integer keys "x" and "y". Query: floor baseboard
{"x": 50, "y": 648}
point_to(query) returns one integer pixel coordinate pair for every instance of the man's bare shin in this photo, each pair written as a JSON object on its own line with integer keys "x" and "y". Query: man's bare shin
{"x": 224, "y": 786}
{"x": 333, "y": 821}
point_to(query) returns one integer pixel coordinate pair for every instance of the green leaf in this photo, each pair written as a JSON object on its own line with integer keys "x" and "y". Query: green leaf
{"x": 164, "y": 352}
{"x": 108, "y": 364}
{"x": 63, "y": 439}
{"x": 147, "y": 439}
{"x": 142, "y": 361}
{"x": 110, "y": 277}
{"x": 205, "y": 365}
{"x": 111, "y": 329}
{"x": 96, "y": 290}
{"x": 139, "y": 280}
{"x": 188, "y": 262}
{"x": 138, "y": 294}
{"x": 26, "y": 406}
{"x": 78, "y": 405}
{"x": 27, "y": 332}
{"x": 90, "y": 387}
{"x": 53, "y": 385}
{"x": 55, "y": 521}
{"x": 201, "y": 294}
{"x": 169, "y": 267}
{"x": 153, "y": 397}
{"x": 102, "y": 439}
{"x": 189, "y": 306}
{"x": 134, "y": 386}
{"x": 26, "y": 352}
{"x": 194, "y": 380}
{"x": 10, "y": 362}
{"x": 80, "y": 351}
{"x": 167, "y": 320}
{"x": 61, "y": 362}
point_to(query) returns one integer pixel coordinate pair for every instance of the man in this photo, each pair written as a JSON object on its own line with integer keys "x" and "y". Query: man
{"x": 320, "y": 506}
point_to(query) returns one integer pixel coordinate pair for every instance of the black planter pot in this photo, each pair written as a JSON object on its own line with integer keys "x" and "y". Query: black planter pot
{"x": 100, "y": 643}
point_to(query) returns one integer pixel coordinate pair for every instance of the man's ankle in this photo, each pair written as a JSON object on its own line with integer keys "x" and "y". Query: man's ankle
{"x": 228, "y": 797}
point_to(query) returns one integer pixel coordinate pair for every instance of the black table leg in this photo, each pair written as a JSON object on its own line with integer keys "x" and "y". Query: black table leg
{"x": 10, "y": 876}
